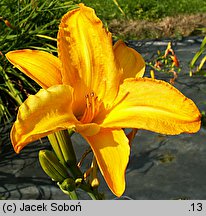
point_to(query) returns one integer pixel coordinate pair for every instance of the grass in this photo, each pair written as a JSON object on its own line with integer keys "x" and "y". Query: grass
{"x": 145, "y": 9}
{"x": 22, "y": 24}
{"x": 34, "y": 24}
{"x": 29, "y": 18}
{"x": 140, "y": 19}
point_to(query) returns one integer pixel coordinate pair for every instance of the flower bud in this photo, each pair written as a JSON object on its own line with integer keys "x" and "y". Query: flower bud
{"x": 68, "y": 184}
{"x": 152, "y": 74}
{"x": 95, "y": 182}
{"x": 7, "y": 23}
{"x": 51, "y": 166}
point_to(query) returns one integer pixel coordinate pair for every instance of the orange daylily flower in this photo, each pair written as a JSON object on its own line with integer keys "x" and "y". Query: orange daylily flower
{"x": 90, "y": 88}
{"x": 169, "y": 50}
{"x": 158, "y": 65}
{"x": 175, "y": 61}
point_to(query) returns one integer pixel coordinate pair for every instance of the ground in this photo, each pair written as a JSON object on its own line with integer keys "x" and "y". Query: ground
{"x": 169, "y": 27}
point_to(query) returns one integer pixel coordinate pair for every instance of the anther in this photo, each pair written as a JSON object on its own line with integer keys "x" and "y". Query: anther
{"x": 92, "y": 94}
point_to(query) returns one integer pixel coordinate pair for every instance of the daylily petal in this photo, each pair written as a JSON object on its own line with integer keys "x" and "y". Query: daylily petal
{"x": 87, "y": 129}
{"x": 46, "y": 112}
{"x": 111, "y": 149}
{"x": 85, "y": 49}
{"x": 130, "y": 60}
{"x": 153, "y": 105}
{"x": 42, "y": 67}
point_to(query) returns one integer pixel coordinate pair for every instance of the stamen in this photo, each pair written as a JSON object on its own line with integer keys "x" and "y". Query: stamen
{"x": 92, "y": 103}
{"x": 87, "y": 101}
{"x": 92, "y": 108}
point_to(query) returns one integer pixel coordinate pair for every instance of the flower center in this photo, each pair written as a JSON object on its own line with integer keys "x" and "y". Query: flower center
{"x": 92, "y": 108}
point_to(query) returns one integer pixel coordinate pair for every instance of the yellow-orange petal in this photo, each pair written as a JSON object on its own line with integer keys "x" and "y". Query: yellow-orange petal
{"x": 153, "y": 105}
{"x": 86, "y": 52}
{"x": 44, "y": 68}
{"x": 111, "y": 149}
{"x": 42, "y": 114}
{"x": 130, "y": 60}
{"x": 87, "y": 129}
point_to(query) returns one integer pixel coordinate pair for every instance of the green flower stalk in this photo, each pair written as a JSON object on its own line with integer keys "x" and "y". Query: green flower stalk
{"x": 62, "y": 146}
{"x": 65, "y": 150}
